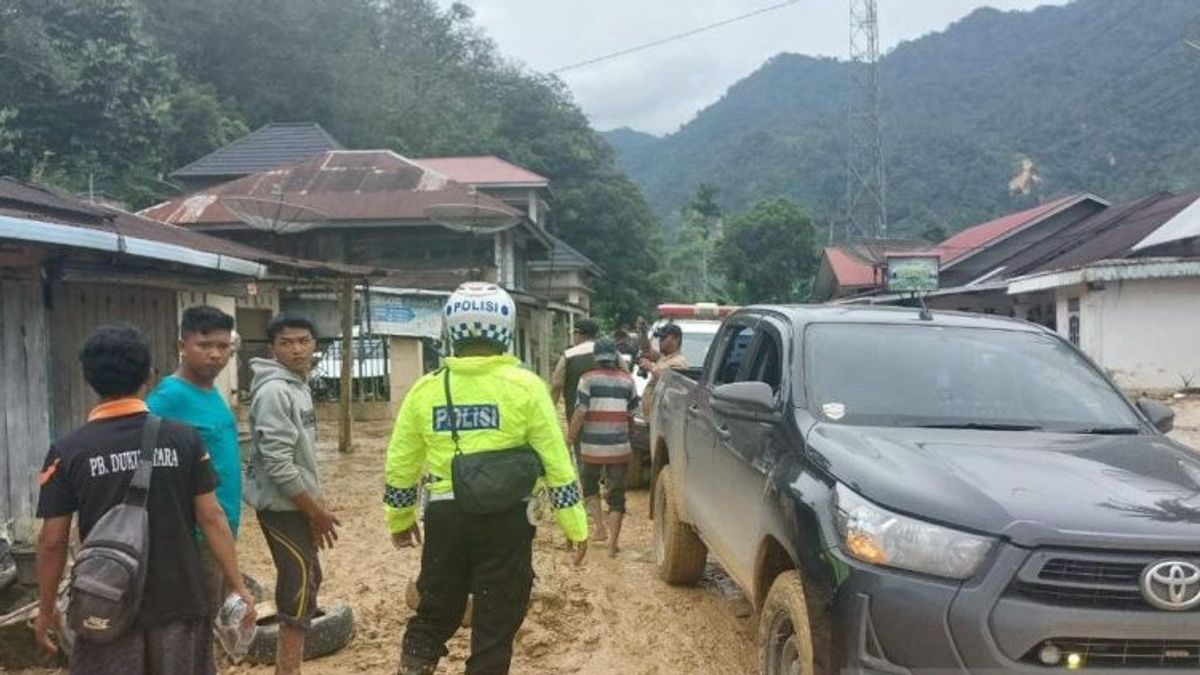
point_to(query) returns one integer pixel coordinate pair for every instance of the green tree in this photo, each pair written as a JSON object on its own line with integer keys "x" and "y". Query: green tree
{"x": 88, "y": 95}
{"x": 769, "y": 253}
{"x": 130, "y": 89}
{"x": 696, "y": 276}
{"x": 934, "y": 233}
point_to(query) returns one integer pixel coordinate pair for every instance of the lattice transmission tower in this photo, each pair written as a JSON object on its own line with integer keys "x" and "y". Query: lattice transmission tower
{"x": 866, "y": 189}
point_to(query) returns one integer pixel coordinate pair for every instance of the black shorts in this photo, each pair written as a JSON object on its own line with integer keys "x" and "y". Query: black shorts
{"x": 178, "y": 648}
{"x": 298, "y": 570}
{"x": 590, "y": 474}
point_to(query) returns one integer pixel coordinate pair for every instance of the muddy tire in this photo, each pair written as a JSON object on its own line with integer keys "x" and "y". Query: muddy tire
{"x": 785, "y": 636}
{"x": 679, "y": 553}
{"x": 330, "y": 631}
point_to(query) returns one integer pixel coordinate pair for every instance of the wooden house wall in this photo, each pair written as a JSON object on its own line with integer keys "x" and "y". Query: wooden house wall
{"x": 76, "y": 310}
{"x": 24, "y": 403}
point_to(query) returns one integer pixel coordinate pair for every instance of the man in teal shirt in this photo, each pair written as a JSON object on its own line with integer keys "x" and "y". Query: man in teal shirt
{"x": 189, "y": 396}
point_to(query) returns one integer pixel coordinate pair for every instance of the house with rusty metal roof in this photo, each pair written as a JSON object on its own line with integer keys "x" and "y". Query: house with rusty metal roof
{"x": 970, "y": 257}
{"x": 68, "y": 266}
{"x": 429, "y": 224}
{"x": 1120, "y": 281}
{"x": 1123, "y": 286}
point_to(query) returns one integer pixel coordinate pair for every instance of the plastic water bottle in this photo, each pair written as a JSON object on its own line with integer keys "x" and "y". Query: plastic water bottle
{"x": 235, "y": 638}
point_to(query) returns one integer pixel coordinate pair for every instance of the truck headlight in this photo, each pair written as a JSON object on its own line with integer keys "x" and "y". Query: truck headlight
{"x": 877, "y": 536}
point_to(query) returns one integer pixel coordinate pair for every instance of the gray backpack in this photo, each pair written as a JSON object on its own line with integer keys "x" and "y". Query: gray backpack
{"x": 110, "y": 570}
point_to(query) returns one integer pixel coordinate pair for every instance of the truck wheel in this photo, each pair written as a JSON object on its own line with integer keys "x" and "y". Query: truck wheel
{"x": 785, "y": 637}
{"x": 679, "y": 553}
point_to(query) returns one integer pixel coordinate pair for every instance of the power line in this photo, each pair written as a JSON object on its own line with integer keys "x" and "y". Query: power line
{"x": 673, "y": 38}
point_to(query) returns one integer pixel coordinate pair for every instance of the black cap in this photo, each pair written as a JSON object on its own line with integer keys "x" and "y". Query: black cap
{"x": 669, "y": 329}
{"x": 587, "y": 328}
{"x": 605, "y": 351}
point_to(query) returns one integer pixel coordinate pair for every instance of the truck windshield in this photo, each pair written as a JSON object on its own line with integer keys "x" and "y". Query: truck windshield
{"x": 938, "y": 376}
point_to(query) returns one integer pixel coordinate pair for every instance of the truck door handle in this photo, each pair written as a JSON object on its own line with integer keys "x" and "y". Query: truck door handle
{"x": 725, "y": 432}
{"x": 693, "y": 409}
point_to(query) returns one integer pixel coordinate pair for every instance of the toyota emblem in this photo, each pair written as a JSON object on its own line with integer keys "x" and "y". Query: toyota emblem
{"x": 1173, "y": 585}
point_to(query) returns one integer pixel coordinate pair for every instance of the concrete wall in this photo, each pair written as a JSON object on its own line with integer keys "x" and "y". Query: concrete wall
{"x": 1146, "y": 334}
{"x": 406, "y": 359}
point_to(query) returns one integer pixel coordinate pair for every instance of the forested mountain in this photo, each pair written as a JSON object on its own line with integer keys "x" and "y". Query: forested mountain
{"x": 117, "y": 93}
{"x": 1102, "y": 95}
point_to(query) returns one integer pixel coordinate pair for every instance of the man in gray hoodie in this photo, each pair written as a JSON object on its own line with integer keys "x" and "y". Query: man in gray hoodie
{"x": 282, "y": 482}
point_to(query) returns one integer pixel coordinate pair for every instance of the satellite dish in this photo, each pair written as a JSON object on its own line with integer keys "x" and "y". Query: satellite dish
{"x": 274, "y": 215}
{"x": 473, "y": 218}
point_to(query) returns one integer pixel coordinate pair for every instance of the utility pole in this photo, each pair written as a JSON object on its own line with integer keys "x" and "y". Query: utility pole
{"x": 866, "y": 185}
{"x": 345, "y": 402}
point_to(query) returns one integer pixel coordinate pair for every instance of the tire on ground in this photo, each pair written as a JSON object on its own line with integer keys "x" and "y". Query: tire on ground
{"x": 785, "y": 635}
{"x": 331, "y": 629}
{"x": 679, "y": 553}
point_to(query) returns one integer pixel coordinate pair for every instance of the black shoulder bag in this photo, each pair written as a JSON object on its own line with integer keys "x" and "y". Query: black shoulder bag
{"x": 110, "y": 571}
{"x": 489, "y": 481}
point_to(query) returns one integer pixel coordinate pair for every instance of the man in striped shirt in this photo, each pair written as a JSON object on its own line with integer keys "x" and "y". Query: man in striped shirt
{"x": 607, "y": 396}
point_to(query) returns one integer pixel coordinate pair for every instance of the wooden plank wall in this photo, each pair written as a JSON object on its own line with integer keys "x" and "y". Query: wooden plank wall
{"x": 77, "y": 309}
{"x": 24, "y": 404}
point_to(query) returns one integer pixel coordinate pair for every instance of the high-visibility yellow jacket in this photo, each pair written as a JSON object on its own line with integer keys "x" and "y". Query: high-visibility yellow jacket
{"x": 499, "y": 405}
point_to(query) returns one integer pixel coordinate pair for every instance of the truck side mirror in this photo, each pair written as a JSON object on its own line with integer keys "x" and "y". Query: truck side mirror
{"x": 746, "y": 400}
{"x": 1160, "y": 414}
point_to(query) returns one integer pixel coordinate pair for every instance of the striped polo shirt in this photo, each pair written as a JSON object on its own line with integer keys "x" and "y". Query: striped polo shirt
{"x": 607, "y": 396}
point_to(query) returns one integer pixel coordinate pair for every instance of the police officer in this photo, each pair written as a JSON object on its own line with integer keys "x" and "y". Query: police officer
{"x": 498, "y": 405}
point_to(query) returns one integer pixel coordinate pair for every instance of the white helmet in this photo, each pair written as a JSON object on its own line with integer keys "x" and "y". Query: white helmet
{"x": 481, "y": 311}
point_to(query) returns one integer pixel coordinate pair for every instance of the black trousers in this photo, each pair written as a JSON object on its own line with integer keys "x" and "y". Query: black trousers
{"x": 489, "y": 557}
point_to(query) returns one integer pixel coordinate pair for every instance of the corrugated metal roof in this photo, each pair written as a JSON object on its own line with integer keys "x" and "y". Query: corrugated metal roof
{"x": 37, "y": 203}
{"x": 973, "y": 239}
{"x": 483, "y": 170}
{"x": 1111, "y": 233}
{"x": 1132, "y": 269}
{"x": 22, "y": 195}
{"x": 267, "y": 147}
{"x": 339, "y": 185}
{"x": 857, "y": 265}
{"x": 1183, "y": 225}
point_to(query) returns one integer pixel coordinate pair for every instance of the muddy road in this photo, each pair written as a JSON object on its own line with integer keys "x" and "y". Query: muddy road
{"x": 609, "y": 616}
{"x": 612, "y": 615}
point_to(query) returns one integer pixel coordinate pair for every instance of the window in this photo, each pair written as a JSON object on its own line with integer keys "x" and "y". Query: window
{"x": 1073, "y": 320}
{"x": 767, "y": 366}
{"x": 734, "y": 345}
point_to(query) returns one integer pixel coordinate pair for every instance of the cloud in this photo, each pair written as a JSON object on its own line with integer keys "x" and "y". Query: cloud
{"x": 659, "y": 89}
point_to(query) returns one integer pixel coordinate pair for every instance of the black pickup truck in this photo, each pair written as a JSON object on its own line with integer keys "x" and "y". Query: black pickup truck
{"x": 947, "y": 493}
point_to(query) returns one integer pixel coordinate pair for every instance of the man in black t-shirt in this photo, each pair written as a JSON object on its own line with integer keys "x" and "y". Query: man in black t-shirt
{"x": 88, "y": 472}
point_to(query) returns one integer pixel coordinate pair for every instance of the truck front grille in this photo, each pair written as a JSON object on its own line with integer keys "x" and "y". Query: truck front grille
{"x": 1080, "y": 579}
{"x": 1090, "y": 571}
{"x": 1164, "y": 654}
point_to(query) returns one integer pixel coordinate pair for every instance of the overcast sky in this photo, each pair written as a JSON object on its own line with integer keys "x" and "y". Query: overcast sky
{"x": 659, "y": 89}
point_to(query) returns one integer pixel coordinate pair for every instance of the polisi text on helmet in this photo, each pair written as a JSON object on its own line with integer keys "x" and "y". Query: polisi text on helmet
{"x": 478, "y": 305}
